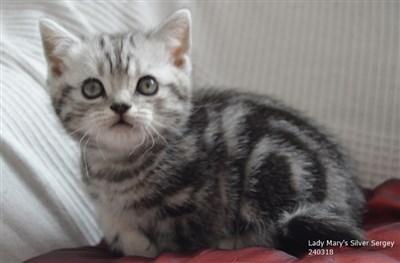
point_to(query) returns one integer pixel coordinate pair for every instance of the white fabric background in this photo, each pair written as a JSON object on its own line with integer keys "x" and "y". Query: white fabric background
{"x": 338, "y": 61}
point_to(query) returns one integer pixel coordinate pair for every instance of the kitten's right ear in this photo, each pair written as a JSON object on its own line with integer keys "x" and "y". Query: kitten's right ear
{"x": 56, "y": 43}
{"x": 175, "y": 32}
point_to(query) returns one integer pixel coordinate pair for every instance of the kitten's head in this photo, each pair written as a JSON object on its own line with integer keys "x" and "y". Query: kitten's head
{"x": 119, "y": 90}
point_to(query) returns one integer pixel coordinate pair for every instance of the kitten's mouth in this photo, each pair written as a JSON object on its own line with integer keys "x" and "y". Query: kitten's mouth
{"x": 122, "y": 123}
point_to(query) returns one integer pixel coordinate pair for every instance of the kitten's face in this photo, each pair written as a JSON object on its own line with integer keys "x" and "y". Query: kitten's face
{"x": 120, "y": 91}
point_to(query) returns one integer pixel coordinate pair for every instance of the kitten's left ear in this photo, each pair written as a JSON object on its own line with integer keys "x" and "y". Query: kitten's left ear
{"x": 56, "y": 43}
{"x": 176, "y": 33}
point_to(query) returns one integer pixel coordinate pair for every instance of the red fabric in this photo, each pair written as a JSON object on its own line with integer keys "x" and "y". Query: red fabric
{"x": 382, "y": 222}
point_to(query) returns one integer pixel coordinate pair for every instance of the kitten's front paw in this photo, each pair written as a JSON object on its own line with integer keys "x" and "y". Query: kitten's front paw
{"x": 227, "y": 243}
{"x": 150, "y": 252}
{"x": 135, "y": 243}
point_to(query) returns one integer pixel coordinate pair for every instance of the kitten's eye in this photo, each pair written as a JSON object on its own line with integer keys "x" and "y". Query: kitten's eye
{"x": 147, "y": 85}
{"x": 92, "y": 88}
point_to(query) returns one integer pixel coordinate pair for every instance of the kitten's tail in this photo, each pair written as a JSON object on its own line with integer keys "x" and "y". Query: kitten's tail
{"x": 299, "y": 229}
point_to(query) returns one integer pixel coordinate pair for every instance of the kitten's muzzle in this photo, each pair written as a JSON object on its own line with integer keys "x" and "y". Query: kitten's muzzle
{"x": 120, "y": 108}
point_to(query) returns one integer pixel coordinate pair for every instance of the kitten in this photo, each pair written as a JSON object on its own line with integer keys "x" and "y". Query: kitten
{"x": 171, "y": 169}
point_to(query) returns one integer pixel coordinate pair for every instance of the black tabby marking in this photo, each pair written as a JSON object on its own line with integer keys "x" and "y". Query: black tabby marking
{"x": 110, "y": 63}
{"x": 102, "y": 42}
{"x": 59, "y": 104}
{"x": 132, "y": 41}
{"x": 167, "y": 211}
{"x": 127, "y": 64}
{"x": 118, "y": 45}
{"x": 315, "y": 168}
{"x": 267, "y": 196}
{"x": 100, "y": 69}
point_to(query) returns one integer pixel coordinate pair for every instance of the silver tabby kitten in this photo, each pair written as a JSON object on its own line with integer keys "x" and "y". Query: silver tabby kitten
{"x": 171, "y": 169}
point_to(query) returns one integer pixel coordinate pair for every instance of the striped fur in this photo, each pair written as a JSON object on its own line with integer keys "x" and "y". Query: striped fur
{"x": 194, "y": 169}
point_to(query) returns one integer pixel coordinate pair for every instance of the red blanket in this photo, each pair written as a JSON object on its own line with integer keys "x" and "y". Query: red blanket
{"x": 382, "y": 227}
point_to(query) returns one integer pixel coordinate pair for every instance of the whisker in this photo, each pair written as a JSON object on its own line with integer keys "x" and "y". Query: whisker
{"x": 84, "y": 159}
{"x": 152, "y": 138}
{"x": 98, "y": 146}
{"x": 158, "y": 134}
{"x": 94, "y": 118}
{"x": 83, "y": 137}
{"x": 84, "y": 152}
{"x": 150, "y": 147}
{"x": 163, "y": 126}
{"x": 140, "y": 144}
{"x": 84, "y": 127}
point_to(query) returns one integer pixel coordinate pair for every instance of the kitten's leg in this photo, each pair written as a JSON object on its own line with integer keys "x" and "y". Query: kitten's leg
{"x": 131, "y": 243}
{"x": 135, "y": 243}
{"x": 313, "y": 223}
{"x": 125, "y": 238}
{"x": 227, "y": 243}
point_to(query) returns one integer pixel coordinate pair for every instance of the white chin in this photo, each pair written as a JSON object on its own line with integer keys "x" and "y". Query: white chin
{"x": 121, "y": 138}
